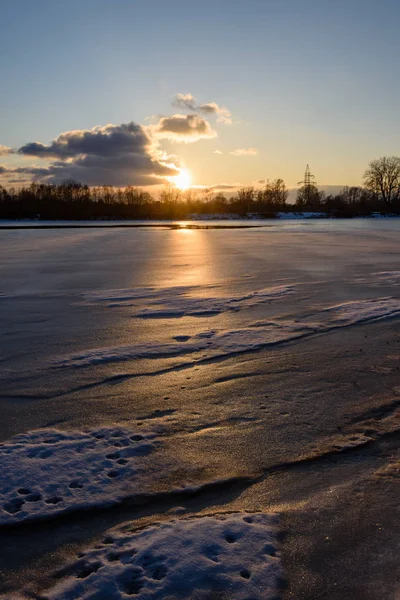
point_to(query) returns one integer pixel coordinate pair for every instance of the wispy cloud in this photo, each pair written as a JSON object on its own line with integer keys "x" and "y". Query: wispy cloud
{"x": 223, "y": 114}
{"x": 224, "y": 186}
{"x": 217, "y": 152}
{"x": 186, "y": 101}
{"x": 189, "y": 102}
{"x": 244, "y": 152}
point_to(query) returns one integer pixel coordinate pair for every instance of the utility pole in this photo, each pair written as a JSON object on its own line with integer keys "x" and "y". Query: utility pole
{"x": 308, "y": 184}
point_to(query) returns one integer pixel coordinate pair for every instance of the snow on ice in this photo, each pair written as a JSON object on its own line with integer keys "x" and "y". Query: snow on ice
{"x": 221, "y": 343}
{"x": 214, "y": 342}
{"x": 390, "y": 277}
{"x": 48, "y": 472}
{"x": 302, "y": 215}
{"x": 352, "y": 313}
{"x": 230, "y": 556}
{"x": 181, "y": 301}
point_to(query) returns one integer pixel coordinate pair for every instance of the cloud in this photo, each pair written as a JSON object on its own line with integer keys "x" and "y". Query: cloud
{"x": 184, "y": 128}
{"x": 224, "y": 186}
{"x": 116, "y": 155}
{"x": 217, "y": 152}
{"x": 5, "y": 150}
{"x": 185, "y": 101}
{"x": 110, "y": 140}
{"x": 189, "y": 102}
{"x": 223, "y": 114}
{"x": 244, "y": 152}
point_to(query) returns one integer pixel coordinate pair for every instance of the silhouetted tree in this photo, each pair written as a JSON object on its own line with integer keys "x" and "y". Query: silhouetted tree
{"x": 274, "y": 195}
{"x": 352, "y": 195}
{"x": 245, "y": 199}
{"x": 72, "y": 200}
{"x": 170, "y": 194}
{"x": 309, "y": 197}
{"x": 220, "y": 203}
{"x": 382, "y": 178}
{"x": 135, "y": 197}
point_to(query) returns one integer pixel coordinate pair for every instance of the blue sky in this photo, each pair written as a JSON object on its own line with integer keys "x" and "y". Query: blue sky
{"x": 306, "y": 82}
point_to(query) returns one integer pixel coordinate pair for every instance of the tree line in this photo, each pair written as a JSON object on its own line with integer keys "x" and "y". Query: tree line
{"x": 74, "y": 201}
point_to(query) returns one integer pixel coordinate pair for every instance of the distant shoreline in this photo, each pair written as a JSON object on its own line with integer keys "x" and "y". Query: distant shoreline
{"x": 111, "y": 225}
{"x": 196, "y": 222}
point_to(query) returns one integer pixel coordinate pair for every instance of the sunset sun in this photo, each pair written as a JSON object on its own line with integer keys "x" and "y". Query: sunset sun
{"x": 182, "y": 181}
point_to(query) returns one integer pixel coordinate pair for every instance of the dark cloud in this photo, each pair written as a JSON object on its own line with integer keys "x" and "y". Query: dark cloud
{"x": 184, "y": 128}
{"x": 117, "y": 155}
{"x": 110, "y": 140}
{"x": 37, "y": 172}
{"x": 189, "y": 102}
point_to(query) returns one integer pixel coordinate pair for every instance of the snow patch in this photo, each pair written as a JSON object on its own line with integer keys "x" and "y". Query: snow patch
{"x": 214, "y": 217}
{"x": 392, "y": 277}
{"x": 152, "y": 350}
{"x": 221, "y": 343}
{"x": 215, "y": 343}
{"x": 48, "y": 472}
{"x": 222, "y": 556}
{"x": 380, "y": 215}
{"x": 359, "y": 311}
{"x": 302, "y": 215}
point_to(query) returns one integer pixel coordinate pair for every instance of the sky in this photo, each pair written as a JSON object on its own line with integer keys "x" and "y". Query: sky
{"x": 131, "y": 92}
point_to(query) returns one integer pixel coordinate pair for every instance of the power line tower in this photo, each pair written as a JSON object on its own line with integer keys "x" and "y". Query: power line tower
{"x": 308, "y": 186}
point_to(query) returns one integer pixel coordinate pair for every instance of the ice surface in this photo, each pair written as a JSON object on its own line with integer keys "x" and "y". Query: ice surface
{"x": 48, "y": 472}
{"x": 343, "y": 273}
{"x": 222, "y": 556}
{"x": 221, "y": 343}
{"x": 181, "y": 301}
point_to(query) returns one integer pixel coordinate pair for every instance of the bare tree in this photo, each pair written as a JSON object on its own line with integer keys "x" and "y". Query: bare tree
{"x": 275, "y": 194}
{"x": 135, "y": 197}
{"x": 207, "y": 195}
{"x": 170, "y": 194}
{"x": 382, "y": 178}
{"x": 246, "y": 196}
{"x": 309, "y": 196}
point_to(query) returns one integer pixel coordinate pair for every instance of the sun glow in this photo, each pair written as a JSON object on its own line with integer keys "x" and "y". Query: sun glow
{"x": 182, "y": 181}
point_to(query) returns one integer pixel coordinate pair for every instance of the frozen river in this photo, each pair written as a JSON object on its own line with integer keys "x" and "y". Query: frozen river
{"x": 160, "y": 373}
